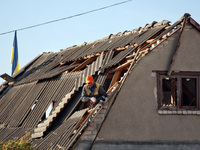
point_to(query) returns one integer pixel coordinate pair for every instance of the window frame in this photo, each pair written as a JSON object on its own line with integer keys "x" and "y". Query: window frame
{"x": 179, "y": 76}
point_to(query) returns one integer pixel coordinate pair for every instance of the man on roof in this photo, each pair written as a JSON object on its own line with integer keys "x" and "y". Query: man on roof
{"x": 92, "y": 93}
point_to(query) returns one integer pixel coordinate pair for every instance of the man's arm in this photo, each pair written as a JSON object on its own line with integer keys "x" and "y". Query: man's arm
{"x": 102, "y": 93}
{"x": 84, "y": 97}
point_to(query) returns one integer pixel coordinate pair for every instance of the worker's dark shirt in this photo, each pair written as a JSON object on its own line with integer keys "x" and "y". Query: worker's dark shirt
{"x": 101, "y": 93}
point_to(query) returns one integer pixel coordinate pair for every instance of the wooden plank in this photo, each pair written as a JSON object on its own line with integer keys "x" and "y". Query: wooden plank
{"x": 76, "y": 62}
{"x": 86, "y": 62}
{"x": 6, "y": 77}
{"x": 133, "y": 55}
{"x": 97, "y": 54}
{"x": 119, "y": 49}
{"x": 135, "y": 45}
{"x": 150, "y": 41}
{"x": 111, "y": 88}
{"x": 121, "y": 67}
{"x": 115, "y": 78}
{"x": 146, "y": 48}
{"x": 70, "y": 68}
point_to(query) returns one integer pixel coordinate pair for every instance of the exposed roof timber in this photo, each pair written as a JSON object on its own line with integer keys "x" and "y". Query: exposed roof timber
{"x": 49, "y": 66}
{"x": 140, "y": 40}
{"x": 111, "y": 88}
{"x": 159, "y": 41}
{"x": 142, "y": 52}
{"x": 119, "y": 57}
{"x": 115, "y": 78}
{"x": 129, "y": 69}
{"x": 76, "y": 62}
{"x": 86, "y": 62}
{"x": 170, "y": 28}
{"x": 150, "y": 41}
{"x": 123, "y": 48}
{"x": 121, "y": 67}
{"x": 119, "y": 49}
{"x": 92, "y": 115}
{"x": 93, "y": 55}
{"x": 53, "y": 68}
{"x": 108, "y": 57}
{"x": 178, "y": 44}
{"x": 6, "y": 77}
{"x": 83, "y": 125}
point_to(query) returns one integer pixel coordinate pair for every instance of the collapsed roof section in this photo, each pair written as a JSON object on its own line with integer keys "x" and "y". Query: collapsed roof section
{"x": 48, "y": 65}
{"x": 56, "y": 79}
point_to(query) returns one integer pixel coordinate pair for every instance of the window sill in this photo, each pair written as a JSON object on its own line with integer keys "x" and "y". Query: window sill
{"x": 179, "y": 112}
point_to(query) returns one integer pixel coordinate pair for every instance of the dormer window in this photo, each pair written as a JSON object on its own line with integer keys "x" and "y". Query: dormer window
{"x": 178, "y": 91}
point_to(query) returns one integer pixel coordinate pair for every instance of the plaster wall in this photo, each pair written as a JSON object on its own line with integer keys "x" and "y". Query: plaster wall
{"x": 187, "y": 58}
{"x": 145, "y": 146}
{"x": 134, "y": 115}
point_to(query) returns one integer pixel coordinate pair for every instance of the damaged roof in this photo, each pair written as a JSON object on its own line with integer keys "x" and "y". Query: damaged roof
{"x": 56, "y": 80}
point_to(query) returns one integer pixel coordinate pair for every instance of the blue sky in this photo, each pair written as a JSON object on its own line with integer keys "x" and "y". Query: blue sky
{"x": 75, "y": 31}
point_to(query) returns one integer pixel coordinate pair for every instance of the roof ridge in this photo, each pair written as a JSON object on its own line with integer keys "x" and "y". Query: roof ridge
{"x": 152, "y": 25}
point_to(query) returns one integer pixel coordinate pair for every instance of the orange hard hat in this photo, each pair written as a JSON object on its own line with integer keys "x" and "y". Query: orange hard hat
{"x": 89, "y": 79}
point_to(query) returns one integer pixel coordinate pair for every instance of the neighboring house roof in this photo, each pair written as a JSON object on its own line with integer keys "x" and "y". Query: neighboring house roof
{"x": 58, "y": 78}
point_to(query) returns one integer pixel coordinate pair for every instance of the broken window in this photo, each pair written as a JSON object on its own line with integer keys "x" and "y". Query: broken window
{"x": 189, "y": 92}
{"x": 178, "y": 91}
{"x": 169, "y": 91}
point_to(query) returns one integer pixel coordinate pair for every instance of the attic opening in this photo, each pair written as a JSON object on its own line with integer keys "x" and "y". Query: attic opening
{"x": 81, "y": 64}
{"x": 178, "y": 91}
{"x": 116, "y": 52}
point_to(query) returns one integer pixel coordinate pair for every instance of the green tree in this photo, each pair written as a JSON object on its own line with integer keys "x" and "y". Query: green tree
{"x": 23, "y": 143}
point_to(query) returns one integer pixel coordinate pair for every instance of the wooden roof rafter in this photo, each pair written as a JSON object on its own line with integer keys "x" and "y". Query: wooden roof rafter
{"x": 86, "y": 62}
{"x": 115, "y": 78}
{"x": 121, "y": 67}
{"x": 146, "y": 49}
{"x": 78, "y": 61}
{"x": 121, "y": 48}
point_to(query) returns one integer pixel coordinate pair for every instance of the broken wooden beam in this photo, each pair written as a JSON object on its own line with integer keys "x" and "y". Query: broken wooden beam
{"x": 121, "y": 67}
{"x": 111, "y": 88}
{"x": 6, "y": 77}
{"x": 150, "y": 41}
{"x": 86, "y": 62}
{"x": 115, "y": 78}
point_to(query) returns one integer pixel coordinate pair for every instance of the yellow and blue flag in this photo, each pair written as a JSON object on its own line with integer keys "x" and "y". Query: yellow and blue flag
{"x": 14, "y": 56}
